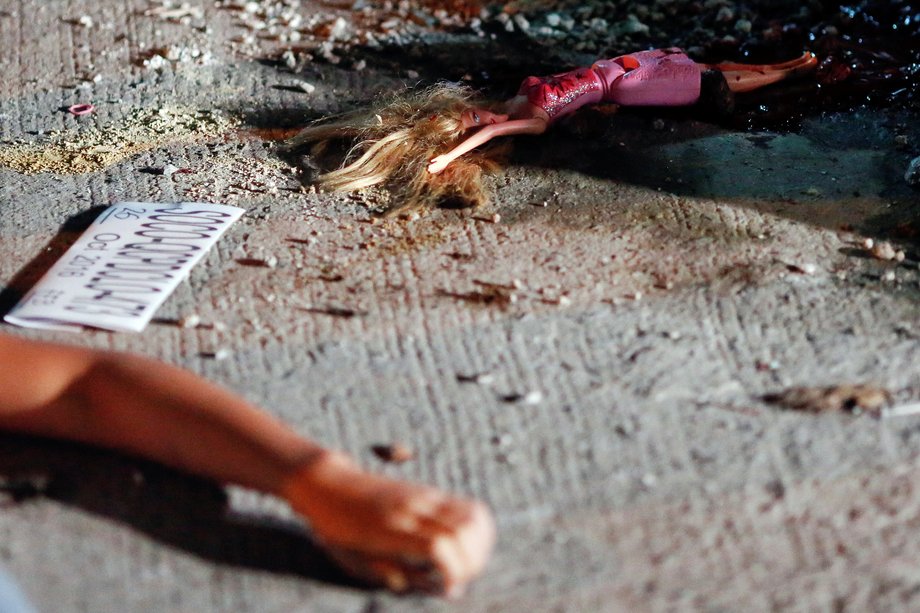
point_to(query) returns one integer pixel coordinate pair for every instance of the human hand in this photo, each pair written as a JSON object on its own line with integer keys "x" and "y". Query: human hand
{"x": 398, "y": 534}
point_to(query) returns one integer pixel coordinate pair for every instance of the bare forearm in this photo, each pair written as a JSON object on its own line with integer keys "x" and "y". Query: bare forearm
{"x": 162, "y": 413}
{"x": 385, "y": 531}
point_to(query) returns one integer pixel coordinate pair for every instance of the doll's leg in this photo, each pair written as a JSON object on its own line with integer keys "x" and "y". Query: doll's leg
{"x": 748, "y": 77}
{"x": 399, "y": 534}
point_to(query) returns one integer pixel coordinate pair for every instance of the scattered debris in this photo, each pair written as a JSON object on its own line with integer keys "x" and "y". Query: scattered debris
{"x": 192, "y": 320}
{"x": 335, "y": 311}
{"x": 903, "y": 410}
{"x": 160, "y": 58}
{"x": 305, "y": 87}
{"x": 532, "y": 397}
{"x": 480, "y": 378}
{"x": 854, "y": 398}
{"x": 170, "y": 12}
{"x": 81, "y": 109}
{"x": 289, "y": 59}
{"x": 562, "y": 300}
{"x": 497, "y": 294}
{"x": 805, "y": 268}
{"x": 883, "y": 250}
{"x": 396, "y": 453}
{"x": 494, "y": 218}
{"x": 515, "y": 284}
{"x": 218, "y": 354}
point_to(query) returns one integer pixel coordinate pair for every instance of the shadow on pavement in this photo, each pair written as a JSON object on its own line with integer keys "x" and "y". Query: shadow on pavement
{"x": 30, "y": 274}
{"x": 185, "y": 512}
{"x": 811, "y": 163}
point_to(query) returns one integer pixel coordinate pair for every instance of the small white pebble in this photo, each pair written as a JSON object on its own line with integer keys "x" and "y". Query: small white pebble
{"x": 808, "y": 268}
{"x": 883, "y": 250}
{"x": 190, "y": 321}
{"x": 532, "y": 397}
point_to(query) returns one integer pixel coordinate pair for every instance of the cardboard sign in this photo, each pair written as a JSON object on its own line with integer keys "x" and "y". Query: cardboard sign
{"x": 124, "y": 266}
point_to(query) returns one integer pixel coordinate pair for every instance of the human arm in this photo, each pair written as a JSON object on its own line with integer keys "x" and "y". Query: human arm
{"x": 535, "y": 125}
{"x": 145, "y": 408}
{"x": 380, "y": 529}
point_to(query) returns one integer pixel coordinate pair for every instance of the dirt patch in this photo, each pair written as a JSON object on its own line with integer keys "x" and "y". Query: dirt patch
{"x": 96, "y": 148}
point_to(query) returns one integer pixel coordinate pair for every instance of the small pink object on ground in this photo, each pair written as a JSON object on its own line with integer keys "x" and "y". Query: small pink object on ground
{"x": 81, "y": 109}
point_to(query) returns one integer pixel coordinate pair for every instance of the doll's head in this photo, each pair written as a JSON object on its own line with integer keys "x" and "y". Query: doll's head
{"x": 477, "y": 117}
{"x": 392, "y": 143}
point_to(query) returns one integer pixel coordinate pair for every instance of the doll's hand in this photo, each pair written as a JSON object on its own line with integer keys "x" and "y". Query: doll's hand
{"x": 398, "y": 534}
{"x": 439, "y": 163}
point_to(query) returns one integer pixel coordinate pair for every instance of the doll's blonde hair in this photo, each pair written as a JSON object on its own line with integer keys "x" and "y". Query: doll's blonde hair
{"x": 394, "y": 141}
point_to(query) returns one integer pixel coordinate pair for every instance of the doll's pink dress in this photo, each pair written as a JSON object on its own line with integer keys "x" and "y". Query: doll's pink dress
{"x": 661, "y": 77}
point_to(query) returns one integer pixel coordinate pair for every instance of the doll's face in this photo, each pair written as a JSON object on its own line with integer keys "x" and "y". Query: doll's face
{"x": 476, "y": 118}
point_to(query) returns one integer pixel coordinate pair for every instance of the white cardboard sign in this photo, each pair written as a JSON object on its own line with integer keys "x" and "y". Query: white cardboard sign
{"x": 124, "y": 266}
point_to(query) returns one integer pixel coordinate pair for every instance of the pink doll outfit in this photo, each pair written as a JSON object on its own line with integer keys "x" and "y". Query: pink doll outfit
{"x": 661, "y": 77}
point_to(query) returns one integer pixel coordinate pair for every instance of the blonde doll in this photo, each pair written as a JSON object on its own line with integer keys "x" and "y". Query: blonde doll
{"x": 428, "y": 143}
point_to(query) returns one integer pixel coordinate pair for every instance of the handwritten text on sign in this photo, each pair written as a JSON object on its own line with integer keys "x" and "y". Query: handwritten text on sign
{"x": 124, "y": 266}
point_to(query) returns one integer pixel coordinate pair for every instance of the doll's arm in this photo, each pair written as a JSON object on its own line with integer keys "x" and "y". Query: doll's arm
{"x": 385, "y": 531}
{"x": 535, "y": 125}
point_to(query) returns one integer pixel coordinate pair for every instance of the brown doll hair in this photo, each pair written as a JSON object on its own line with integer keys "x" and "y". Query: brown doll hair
{"x": 392, "y": 143}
